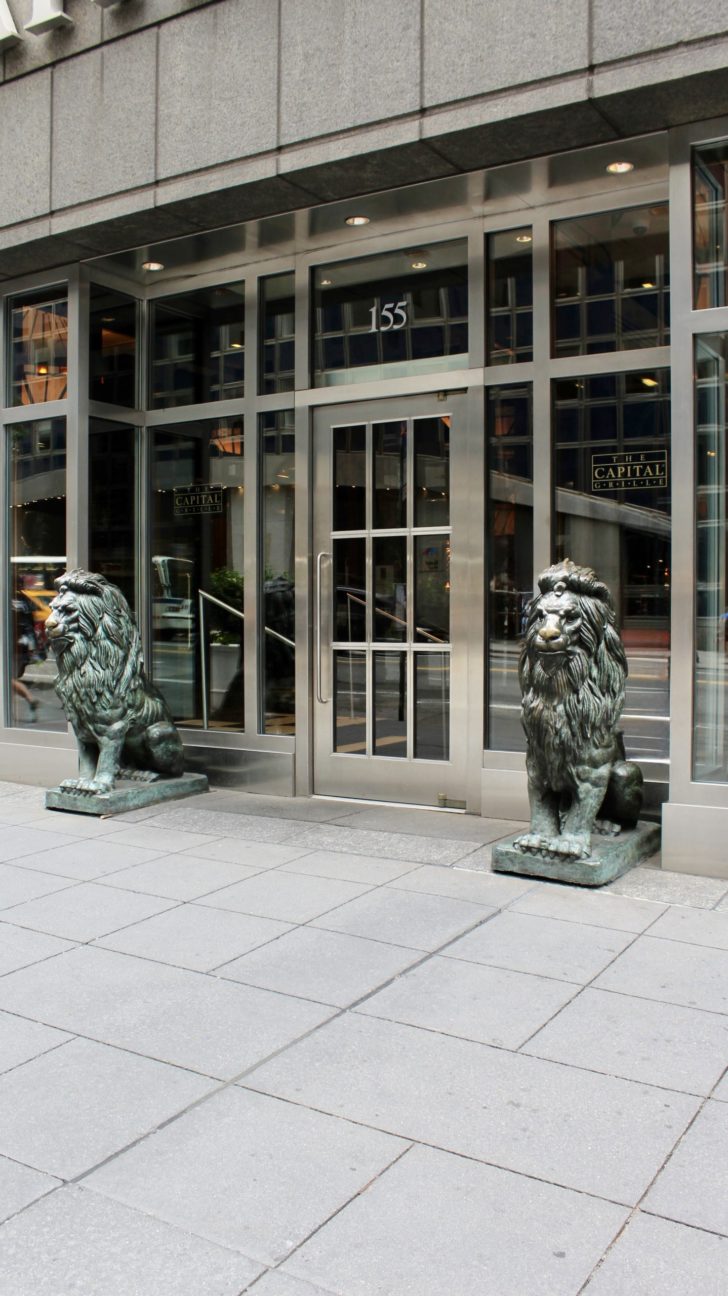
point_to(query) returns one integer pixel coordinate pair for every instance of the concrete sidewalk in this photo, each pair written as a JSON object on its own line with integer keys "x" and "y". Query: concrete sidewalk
{"x": 302, "y": 1048}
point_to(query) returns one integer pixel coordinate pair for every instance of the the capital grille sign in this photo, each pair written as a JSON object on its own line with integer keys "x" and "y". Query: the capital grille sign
{"x": 45, "y": 16}
{"x": 630, "y": 470}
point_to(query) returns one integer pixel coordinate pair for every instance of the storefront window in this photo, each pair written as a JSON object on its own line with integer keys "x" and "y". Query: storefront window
{"x": 612, "y": 478}
{"x": 37, "y": 477}
{"x": 390, "y": 315}
{"x": 710, "y": 227}
{"x": 197, "y": 568}
{"x": 39, "y": 348}
{"x": 611, "y": 281}
{"x": 278, "y": 631}
{"x": 710, "y": 746}
{"x": 510, "y": 557}
{"x": 112, "y": 504}
{"x": 198, "y": 347}
{"x": 112, "y": 347}
{"x": 277, "y": 329}
{"x": 510, "y": 297}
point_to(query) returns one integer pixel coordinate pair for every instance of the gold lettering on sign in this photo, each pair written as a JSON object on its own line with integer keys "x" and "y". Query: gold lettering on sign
{"x": 630, "y": 470}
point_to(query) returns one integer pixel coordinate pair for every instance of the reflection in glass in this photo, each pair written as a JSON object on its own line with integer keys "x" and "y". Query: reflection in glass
{"x": 390, "y": 474}
{"x": 390, "y": 587}
{"x": 710, "y": 744}
{"x": 277, "y": 331}
{"x": 432, "y": 706}
{"x": 431, "y": 449}
{"x": 710, "y": 232}
{"x": 612, "y": 478}
{"x": 350, "y": 607}
{"x": 390, "y": 703}
{"x": 278, "y": 648}
{"x": 350, "y": 726}
{"x": 396, "y": 313}
{"x": 510, "y": 556}
{"x": 611, "y": 281}
{"x": 198, "y": 344}
{"x": 432, "y": 589}
{"x": 198, "y": 546}
{"x": 510, "y": 297}
{"x": 37, "y": 542}
{"x": 112, "y": 347}
{"x": 350, "y": 478}
{"x": 38, "y": 348}
{"x": 112, "y": 504}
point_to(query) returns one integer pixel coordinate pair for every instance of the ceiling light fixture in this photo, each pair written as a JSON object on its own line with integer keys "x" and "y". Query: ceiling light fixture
{"x": 418, "y": 265}
{"x": 152, "y": 265}
{"x": 620, "y": 168}
{"x": 648, "y": 283}
{"x": 356, "y": 220}
{"x": 326, "y": 283}
{"x": 649, "y": 382}
{"x": 524, "y": 238}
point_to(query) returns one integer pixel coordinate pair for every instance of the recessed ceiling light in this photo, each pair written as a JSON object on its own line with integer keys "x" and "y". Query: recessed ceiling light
{"x": 649, "y": 382}
{"x": 356, "y": 220}
{"x": 418, "y": 265}
{"x": 620, "y": 168}
{"x": 152, "y": 265}
{"x": 524, "y": 238}
{"x": 647, "y": 283}
{"x": 326, "y": 283}
{"x": 236, "y": 346}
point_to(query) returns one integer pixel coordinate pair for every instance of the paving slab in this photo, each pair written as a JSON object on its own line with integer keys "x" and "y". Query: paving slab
{"x": 352, "y": 868}
{"x": 191, "y": 936}
{"x": 542, "y": 946}
{"x": 670, "y": 888}
{"x": 289, "y": 897}
{"x": 387, "y": 845}
{"x": 326, "y": 966}
{"x": 86, "y": 860}
{"x": 692, "y": 1187}
{"x": 21, "y": 1040}
{"x": 116, "y": 1250}
{"x": 18, "y": 884}
{"x": 721, "y": 1090}
{"x": 696, "y": 926}
{"x": 249, "y": 1172}
{"x": 20, "y": 947}
{"x": 198, "y": 1022}
{"x": 163, "y": 841}
{"x": 16, "y": 842}
{"x": 86, "y": 910}
{"x": 277, "y": 1283}
{"x": 492, "y": 890}
{"x": 657, "y": 1256}
{"x": 591, "y": 1132}
{"x": 640, "y": 1039}
{"x": 19, "y": 1186}
{"x": 253, "y": 854}
{"x": 69, "y": 1109}
{"x": 671, "y": 971}
{"x": 425, "y": 823}
{"x": 436, "y": 1223}
{"x": 179, "y": 876}
{"x": 470, "y": 1001}
{"x": 216, "y": 823}
{"x": 596, "y": 909}
{"x": 415, "y": 920}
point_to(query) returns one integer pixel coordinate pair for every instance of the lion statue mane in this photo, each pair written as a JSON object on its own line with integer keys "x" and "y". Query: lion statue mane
{"x": 573, "y": 671}
{"x": 122, "y": 724}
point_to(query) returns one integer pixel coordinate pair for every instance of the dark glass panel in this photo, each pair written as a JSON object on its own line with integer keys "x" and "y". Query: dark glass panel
{"x": 432, "y": 589}
{"x": 710, "y": 225}
{"x": 277, "y": 331}
{"x": 390, "y": 703}
{"x": 198, "y": 347}
{"x": 112, "y": 347}
{"x": 277, "y": 548}
{"x": 432, "y": 706}
{"x": 350, "y": 725}
{"x": 390, "y": 474}
{"x": 390, "y": 587}
{"x": 431, "y": 445}
{"x": 350, "y": 591}
{"x": 112, "y": 505}
{"x": 38, "y": 348}
{"x": 350, "y": 478}
{"x": 710, "y": 737}
{"x": 510, "y": 297}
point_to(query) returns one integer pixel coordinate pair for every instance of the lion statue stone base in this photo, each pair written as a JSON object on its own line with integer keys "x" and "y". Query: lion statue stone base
{"x": 121, "y": 722}
{"x": 573, "y": 671}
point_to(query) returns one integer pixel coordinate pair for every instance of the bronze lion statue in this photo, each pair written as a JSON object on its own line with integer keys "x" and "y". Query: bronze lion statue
{"x": 122, "y": 725}
{"x": 573, "y": 671}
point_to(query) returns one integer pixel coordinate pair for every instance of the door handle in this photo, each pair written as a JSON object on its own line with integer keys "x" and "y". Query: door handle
{"x": 319, "y": 619}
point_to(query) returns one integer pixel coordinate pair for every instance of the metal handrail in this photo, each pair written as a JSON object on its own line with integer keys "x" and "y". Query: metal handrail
{"x": 202, "y": 598}
{"x": 354, "y": 598}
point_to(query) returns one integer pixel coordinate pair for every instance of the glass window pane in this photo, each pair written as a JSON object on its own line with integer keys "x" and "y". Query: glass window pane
{"x": 432, "y": 706}
{"x": 390, "y": 474}
{"x": 278, "y": 648}
{"x": 397, "y": 313}
{"x": 39, "y": 348}
{"x": 510, "y": 297}
{"x": 510, "y": 557}
{"x": 277, "y": 331}
{"x": 710, "y": 225}
{"x": 350, "y": 698}
{"x": 350, "y": 478}
{"x": 613, "y": 514}
{"x": 112, "y": 505}
{"x": 350, "y": 600}
{"x": 611, "y": 281}
{"x": 431, "y": 441}
{"x": 390, "y": 587}
{"x": 37, "y": 478}
{"x": 198, "y": 347}
{"x": 432, "y": 589}
{"x": 112, "y": 347}
{"x": 390, "y": 703}
{"x": 198, "y": 547}
{"x": 710, "y": 744}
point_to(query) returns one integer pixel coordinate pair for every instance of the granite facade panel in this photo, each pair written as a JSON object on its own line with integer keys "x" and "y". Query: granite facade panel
{"x": 25, "y": 148}
{"x": 39, "y": 51}
{"x": 621, "y": 28}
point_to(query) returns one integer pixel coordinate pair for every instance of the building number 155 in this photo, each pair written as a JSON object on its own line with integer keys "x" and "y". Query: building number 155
{"x": 391, "y": 316}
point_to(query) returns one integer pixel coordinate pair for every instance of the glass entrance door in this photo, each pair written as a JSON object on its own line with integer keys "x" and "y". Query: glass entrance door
{"x": 390, "y": 717}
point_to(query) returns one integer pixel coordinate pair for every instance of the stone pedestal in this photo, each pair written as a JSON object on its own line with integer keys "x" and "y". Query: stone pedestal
{"x": 610, "y": 857}
{"x": 126, "y": 795}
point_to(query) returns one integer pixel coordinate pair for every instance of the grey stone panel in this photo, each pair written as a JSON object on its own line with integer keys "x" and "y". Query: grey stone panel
{"x": 20, "y": 1186}
{"x": 655, "y": 105}
{"x": 39, "y": 51}
{"x": 121, "y": 19}
{"x": 473, "y": 49}
{"x": 25, "y": 115}
{"x": 103, "y": 121}
{"x": 242, "y": 203}
{"x": 691, "y": 1188}
{"x": 624, "y": 27}
{"x": 373, "y": 171}
{"x": 217, "y": 85}
{"x": 346, "y": 64}
{"x": 573, "y": 125}
{"x": 655, "y": 1255}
